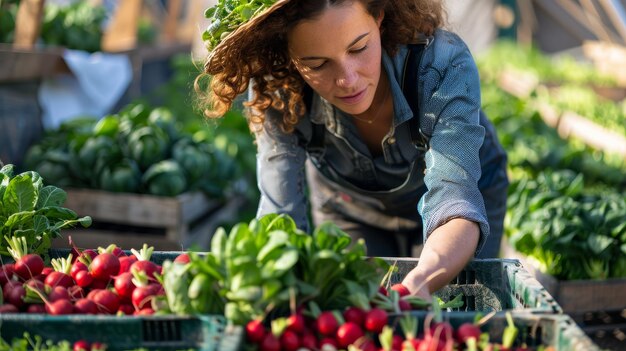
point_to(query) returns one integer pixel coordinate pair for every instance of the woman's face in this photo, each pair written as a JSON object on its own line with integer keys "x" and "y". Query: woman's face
{"x": 338, "y": 54}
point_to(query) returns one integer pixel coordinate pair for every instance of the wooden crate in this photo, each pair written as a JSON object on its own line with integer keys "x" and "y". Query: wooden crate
{"x": 130, "y": 220}
{"x": 576, "y": 297}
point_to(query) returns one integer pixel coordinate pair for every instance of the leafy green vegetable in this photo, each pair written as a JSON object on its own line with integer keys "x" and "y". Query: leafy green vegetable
{"x": 31, "y": 210}
{"x": 260, "y": 267}
{"x": 165, "y": 178}
{"x": 228, "y": 15}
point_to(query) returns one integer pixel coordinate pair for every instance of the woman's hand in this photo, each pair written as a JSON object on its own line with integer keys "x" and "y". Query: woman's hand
{"x": 446, "y": 252}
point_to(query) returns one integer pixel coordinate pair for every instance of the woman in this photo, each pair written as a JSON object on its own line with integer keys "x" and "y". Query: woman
{"x": 331, "y": 121}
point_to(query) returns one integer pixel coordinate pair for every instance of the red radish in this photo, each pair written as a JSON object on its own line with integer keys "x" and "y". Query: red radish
{"x": 466, "y": 331}
{"x": 383, "y": 290}
{"x": 58, "y": 279}
{"x": 415, "y": 343}
{"x": 36, "y": 308}
{"x": 61, "y": 274}
{"x": 327, "y": 323}
{"x": 182, "y": 258}
{"x": 145, "y": 266}
{"x": 78, "y": 266}
{"x": 124, "y": 285}
{"x": 47, "y": 270}
{"x": 88, "y": 255}
{"x": 85, "y": 306}
{"x": 59, "y": 307}
{"x": 98, "y": 346}
{"x": 295, "y": 323}
{"x": 27, "y": 265}
{"x": 58, "y": 293}
{"x": 99, "y": 283}
{"x": 146, "y": 311}
{"x": 142, "y": 295}
{"x": 404, "y": 305}
{"x": 396, "y": 343}
{"x": 6, "y": 273}
{"x": 126, "y": 308}
{"x": 443, "y": 330}
{"x": 126, "y": 262}
{"x": 84, "y": 279}
{"x": 76, "y": 292}
{"x": 117, "y": 251}
{"x": 375, "y": 320}
{"x": 355, "y": 315}
{"x": 35, "y": 284}
{"x": 92, "y": 293}
{"x": 348, "y": 333}
{"x": 8, "y": 308}
{"x": 107, "y": 301}
{"x": 143, "y": 263}
{"x": 255, "y": 331}
{"x": 289, "y": 341}
{"x": 81, "y": 345}
{"x": 15, "y": 296}
{"x": 270, "y": 343}
{"x": 8, "y": 287}
{"x": 401, "y": 289}
{"x": 366, "y": 344}
{"x": 309, "y": 340}
{"x": 104, "y": 266}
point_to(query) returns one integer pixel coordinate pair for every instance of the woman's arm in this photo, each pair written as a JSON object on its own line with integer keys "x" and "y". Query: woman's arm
{"x": 446, "y": 252}
{"x": 280, "y": 172}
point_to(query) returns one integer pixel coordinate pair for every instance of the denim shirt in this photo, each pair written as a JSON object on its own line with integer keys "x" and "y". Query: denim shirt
{"x": 449, "y": 91}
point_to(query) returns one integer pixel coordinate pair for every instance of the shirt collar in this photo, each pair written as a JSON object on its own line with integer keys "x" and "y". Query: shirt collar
{"x": 402, "y": 110}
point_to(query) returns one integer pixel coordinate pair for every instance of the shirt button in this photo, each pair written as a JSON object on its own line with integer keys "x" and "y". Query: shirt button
{"x": 391, "y": 140}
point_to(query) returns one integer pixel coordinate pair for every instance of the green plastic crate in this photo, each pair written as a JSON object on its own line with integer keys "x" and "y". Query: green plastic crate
{"x": 489, "y": 285}
{"x": 128, "y": 332}
{"x": 558, "y": 331}
{"x": 206, "y": 333}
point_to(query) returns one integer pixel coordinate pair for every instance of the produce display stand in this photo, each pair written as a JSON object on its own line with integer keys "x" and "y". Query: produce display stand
{"x": 489, "y": 285}
{"x": 576, "y": 297}
{"x": 130, "y": 220}
{"x": 597, "y": 306}
{"x": 203, "y": 333}
{"x": 26, "y": 63}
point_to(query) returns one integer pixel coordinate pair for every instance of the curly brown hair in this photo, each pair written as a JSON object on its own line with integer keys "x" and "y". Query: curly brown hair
{"x": 261, "y": 55}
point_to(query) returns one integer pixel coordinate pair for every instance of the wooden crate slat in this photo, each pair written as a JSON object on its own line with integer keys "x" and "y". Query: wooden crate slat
{"x": 134, "y": 209}
{"x": 576, "y": 296}
{"x": 89, "y": 238}
{"x": 592, "y": 134}
{"x": 183, "y": 236}
{"x": 568, "y": 124}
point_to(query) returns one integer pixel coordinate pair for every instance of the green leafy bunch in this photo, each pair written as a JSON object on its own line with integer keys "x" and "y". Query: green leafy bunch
{"x": 228, "y": 15}
{"x": 263, "y": 267}
{"x": 33, "y": 211}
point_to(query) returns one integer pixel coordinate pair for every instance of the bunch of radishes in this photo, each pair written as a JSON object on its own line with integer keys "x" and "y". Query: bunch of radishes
{"x": 369, "y": 329}
{"x": 314, "y": 329}
{"x": 84, "y": 345}
{"x": 102, "y": 281}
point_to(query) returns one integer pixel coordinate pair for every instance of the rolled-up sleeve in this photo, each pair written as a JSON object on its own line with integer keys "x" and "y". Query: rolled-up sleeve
{"x": 280, "y": 173}
{"x": 452, "y": 90}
